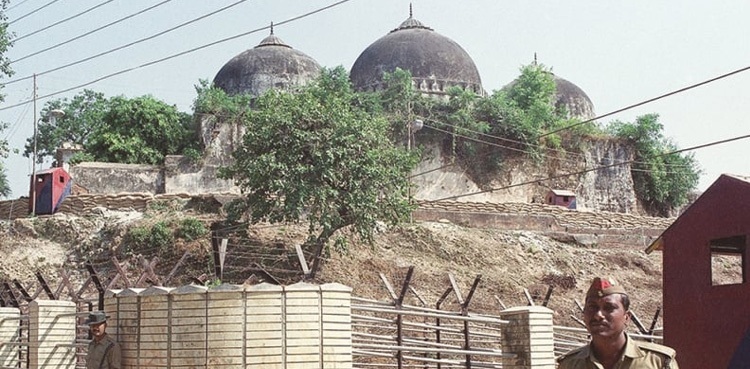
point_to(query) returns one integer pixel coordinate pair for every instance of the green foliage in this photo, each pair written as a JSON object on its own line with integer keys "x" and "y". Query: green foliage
{"x": 4, "y": 184}
{"x": 139, "y": 236}
{"x": 84, "y": 115}
{"x": 460, "y": 117}
{"x": 662, "y": 180}
{"x": 211, "y": 283}
{"x": 159, "y": 236}
{"x": 191, "y": 229}
{"x": 318, "y": 155}
{"x": 141, "y": 130}
{"x": 398, "y": 93}
{"x": 193, "y": 154}
{"x": 215, "y": 101}
{"x": 526, "y": 109}
{"x": 158, "y": 206}
{"x": 5, "y": 41}
{"x": 162, "y": 237}
{"x": 522, "y": 119}
{"x": 5, "y": 71}
{"x": 399, "y": 101}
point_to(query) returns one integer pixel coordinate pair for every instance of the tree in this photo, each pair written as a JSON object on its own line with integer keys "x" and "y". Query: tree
{"x": 5, "y": 70}
{"x": 315, "y": 155}
{"x": 525, "y": 110}
{"x": 84, "y": 114}
{"x": 141, "y": 130}
{"x": 662, "y": 179}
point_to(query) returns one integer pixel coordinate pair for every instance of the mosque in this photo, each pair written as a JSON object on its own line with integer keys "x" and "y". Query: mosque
{"x": 436, "y": 63}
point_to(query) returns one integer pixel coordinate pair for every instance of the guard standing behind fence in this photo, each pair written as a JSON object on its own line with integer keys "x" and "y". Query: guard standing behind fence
{"x": 104, "y": 352}
{"x": 606, "y": 315}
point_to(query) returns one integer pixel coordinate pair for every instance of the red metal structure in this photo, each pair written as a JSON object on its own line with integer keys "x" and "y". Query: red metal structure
{"x": 562, "y": 198}
{"x": 52, "y": 187}
{"x": 705, "y": 270}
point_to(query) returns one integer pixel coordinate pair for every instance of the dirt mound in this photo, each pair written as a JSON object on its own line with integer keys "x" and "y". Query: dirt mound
{"x": 510, "y": 263}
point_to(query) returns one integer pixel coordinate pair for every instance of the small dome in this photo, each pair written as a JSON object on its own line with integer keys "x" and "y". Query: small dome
{"x": 435, "y": 61}
{"x": 271, "y": 64}
{"x": 568, "y": 96}
{"x": 573, "y": 99}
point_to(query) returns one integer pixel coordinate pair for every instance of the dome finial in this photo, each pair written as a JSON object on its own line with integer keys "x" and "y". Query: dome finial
{"x": 411, "y": 22}
{"x": 272, "y": 40}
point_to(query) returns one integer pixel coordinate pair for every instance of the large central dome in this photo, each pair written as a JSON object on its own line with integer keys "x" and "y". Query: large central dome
{"x": 271, "y": 64}
{"x": 435, "y": 61}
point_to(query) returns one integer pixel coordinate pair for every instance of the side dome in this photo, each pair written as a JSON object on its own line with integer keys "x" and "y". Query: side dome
{"x": 435, "y": 61}
{"x": 573, "y": 99}
{"x": 271, "y": 64}
{"x": 568, "y": 96}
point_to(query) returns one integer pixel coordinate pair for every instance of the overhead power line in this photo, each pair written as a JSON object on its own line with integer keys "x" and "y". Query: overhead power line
{"x": 176, "y": 55}
{"x": 714, "y": 143}
{"x": 16, "y": 4}
{"x": 63, "y": 21}
{"x": 90, "y": 32}
{"x": 128, "y": 44}
{"x": 644, "y": 102}
{"x": 536, "y": 146}
{"x": 33, "y": 11}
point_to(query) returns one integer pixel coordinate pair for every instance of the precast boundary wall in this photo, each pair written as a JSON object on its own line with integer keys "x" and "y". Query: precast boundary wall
{"x": 302, "y": 325}
{"x": 230, "y": 326}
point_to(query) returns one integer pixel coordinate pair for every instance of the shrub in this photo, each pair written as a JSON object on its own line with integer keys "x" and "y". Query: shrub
{"x": 161, "y": 236}
{"x": 139, "y": 236}
{"x": 191, "y": 229}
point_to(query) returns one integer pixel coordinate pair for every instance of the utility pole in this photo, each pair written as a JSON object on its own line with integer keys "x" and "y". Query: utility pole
{"x": 33, "y": 160}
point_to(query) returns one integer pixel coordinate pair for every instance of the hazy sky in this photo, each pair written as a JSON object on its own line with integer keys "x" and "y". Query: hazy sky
{"x": 618, "y": 52}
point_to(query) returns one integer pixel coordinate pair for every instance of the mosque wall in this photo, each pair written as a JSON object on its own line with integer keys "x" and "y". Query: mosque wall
{"x": 111, "y": 178}
{"x": 611, "y": 187}
{"x": 183, "y": 175}
{"x": 607, "y": 189}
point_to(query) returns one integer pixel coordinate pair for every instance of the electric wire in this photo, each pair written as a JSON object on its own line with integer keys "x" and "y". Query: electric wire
{"x": 175, "y": 55}
{"x": 570, "y": 161}
{"x": 62, "y": 21}
{"x": 15, "y": 5}
{"x": 126, "y": 45}
{"x": 564, "y": 152}
{"x": 17, "y": 124}
{"x": 90, "y": 32}
{"x": 644, "y": 102}
{"x": 562, "y": 175}
{"x": 32, "y": 12}
{"x": 573, "y": 162}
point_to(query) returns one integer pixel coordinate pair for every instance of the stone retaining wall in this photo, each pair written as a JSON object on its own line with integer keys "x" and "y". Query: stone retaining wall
{"x": 599, "y": 228}
{"x": 602, "y": 228}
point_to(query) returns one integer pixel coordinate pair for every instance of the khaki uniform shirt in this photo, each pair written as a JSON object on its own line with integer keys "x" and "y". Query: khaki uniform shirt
{"x": 637, "y": 355}
{"x": 104, "y": 354}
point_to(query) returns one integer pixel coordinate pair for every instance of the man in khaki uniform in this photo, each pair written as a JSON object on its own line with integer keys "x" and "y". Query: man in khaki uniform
{"x": 606, "y": 314}
{"x": 104, "y": 352}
